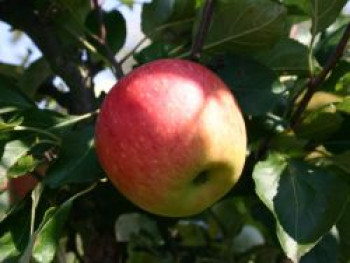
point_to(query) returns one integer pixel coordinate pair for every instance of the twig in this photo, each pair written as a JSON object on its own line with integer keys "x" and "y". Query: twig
{"x": 136, "y": 47}
{"x": 102, "y": 40}
{"x": 315, "y": 81}
{"x": 203, "y": 28}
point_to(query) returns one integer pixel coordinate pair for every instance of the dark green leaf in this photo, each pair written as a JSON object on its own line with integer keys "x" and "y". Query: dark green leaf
{"x": 324, "y": 252}
{"x": 343, "y": 227}
{"x": 11, "y": 98}
{"x": 227, "y": 218}
{"x": 154, "y": 51}
{"x": 14, "y": 232}
{"x": 49, "y": 232}
{"x": 342, "y": 161}
{"x": 324, "y": 13}
{"x": 255, "y": 86}
{"x": 339, "y": 141}
{"x": 307, "y": 200}
{"x": 245, "y": 25}
{"x": 286, "y": 57}
{"x": 191, "y": 233}
{"x": 77, "y": 161}
{"x": 319, "y": 125}
{"x": 168, "y": 19}
{"x": 115, "y": 26}
{"x": 11, "y": 71}
{"x": 34, "y": 76}
{"x": 327, "y": 45}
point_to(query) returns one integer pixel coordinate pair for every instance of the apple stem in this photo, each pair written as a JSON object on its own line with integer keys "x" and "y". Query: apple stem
{"x": 208, "y": 10}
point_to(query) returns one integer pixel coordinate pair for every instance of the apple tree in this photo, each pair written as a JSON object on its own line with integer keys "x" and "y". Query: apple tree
{"x": 286, "y": 62}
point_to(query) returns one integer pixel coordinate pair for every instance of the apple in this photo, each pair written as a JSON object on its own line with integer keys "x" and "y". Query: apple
{"x": 20, "y": 186}
{"x": 170, "y": 136}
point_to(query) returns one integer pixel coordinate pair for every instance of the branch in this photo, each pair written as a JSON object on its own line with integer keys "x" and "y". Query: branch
{"x": 102, "y": 40}
{"x": 62, "y": 59}
{"x": 203, "y": 28}
{"x": 315, "y": 81}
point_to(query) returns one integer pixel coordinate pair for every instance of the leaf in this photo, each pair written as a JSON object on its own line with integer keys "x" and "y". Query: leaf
{"x": 327, "y": 45}
{"x": 11, "y": 71}
{"x": 342, "y": 161}
{"x": 227, "y": 217}
{"x": 10, "y": 125}
{"x": 255, "y": 86}
{"x": 13, "y": 152}
{"x": 306, "y": 200}
{"x": 14, "y": 239}
{"x": 34, "y": 76}
{"x": 344, "y": 106}
{"x": 49, "y": 232}
{"x": 77, "y": 161}
{"x": 24, "y": 165}
{"x": 133, "y": 224}
{"x": 319, "y": 125}
{"x": 324, "y": 252}
{"x": 128, "y": 3}
{"x": 191, "y": 233}
{"x": 343, "y": 227}
{"x": 286, "y": 57}
{"x": 324, "y": 13}
{"x": 115, "y": 27}
{"x": 339, "y": 141}
{"x": 245, "y": 25}
{"x": 11, "y": 98}
{"x": 170, "y": 20}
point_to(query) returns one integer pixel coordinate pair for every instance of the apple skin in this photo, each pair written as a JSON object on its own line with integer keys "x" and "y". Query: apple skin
{"x": 171, "y": 137}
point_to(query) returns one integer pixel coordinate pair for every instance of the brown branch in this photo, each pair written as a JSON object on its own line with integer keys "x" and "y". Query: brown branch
{"x": 203, "y": 29}
{"x": 102, "y": 40}
{"x": 315, "y": 81}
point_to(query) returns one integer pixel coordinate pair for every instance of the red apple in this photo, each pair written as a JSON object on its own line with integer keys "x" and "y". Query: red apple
{"x": 171, "y": 137}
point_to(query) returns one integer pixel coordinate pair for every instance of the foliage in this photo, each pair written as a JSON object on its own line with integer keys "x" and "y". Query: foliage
{"x": 293, "y": 198}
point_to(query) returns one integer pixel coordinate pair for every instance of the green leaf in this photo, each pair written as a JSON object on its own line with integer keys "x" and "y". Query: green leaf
{"x": 342, "y": 161}
{"x": 50, "y": 230}
{"x": 227, "y": 217}
{"x": 247, "y": 25}
{"x": 10, "y": 125}
{"x": 305, "y": 200}
{"x": 255, "y": 86}
{"x": 344, "y": 106}
{"x": 11, "y": 98}
{"x": 324, "y": 13}
{"x": 77, "y": 161}
{"x": 319, "y": 125}
{"x": 134, "y": 224}
{"x": 324, "y": 252}
{"x": 170, "y": 20}
{"x": 315, "y": 196}
{"x": 115, "y": 26}
{"x": 327, "y": 44}
{"x": 343, "y": 227}
{"x": 11, "y": 71}
{"x": 13, "y": 152}
{"x": 24, "y": 165}
{"x": 14, "y": 232}
{"x": 339, "y": 141}
{"x": 154, "y": 51}
{"x": 286, "y": 57}
{"x": 191, "y": 233}
{"x": 34, "y": 76}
